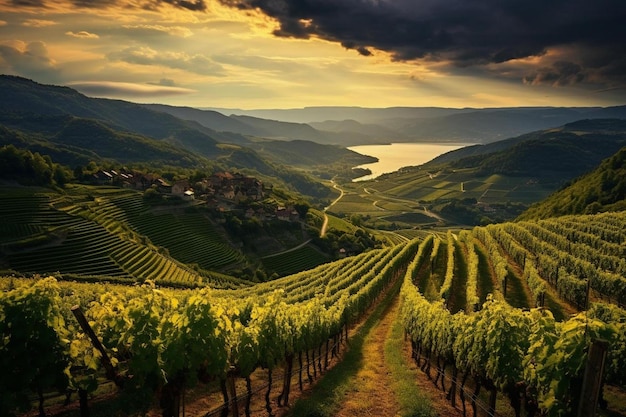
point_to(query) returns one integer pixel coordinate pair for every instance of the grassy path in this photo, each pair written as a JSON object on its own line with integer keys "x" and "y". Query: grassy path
{"x": 328, "y": 395}
{"x": 376, "y": 376}
{"x": 370, "y": 393}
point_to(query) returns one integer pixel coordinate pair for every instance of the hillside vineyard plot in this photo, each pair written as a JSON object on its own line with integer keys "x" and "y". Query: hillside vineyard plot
{"x": 523, "y": 354}
{"x": 168, "y": 339}
{"x": 94, "y": 233}
{"x": 457, "y": 295}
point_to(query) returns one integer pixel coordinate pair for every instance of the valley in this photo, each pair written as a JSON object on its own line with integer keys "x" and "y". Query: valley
{"x": 234, "y": 260}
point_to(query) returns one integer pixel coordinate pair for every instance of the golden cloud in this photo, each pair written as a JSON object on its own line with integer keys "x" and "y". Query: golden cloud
{"x": 180, "y": 31}
{"x": 38, "y": 23}
{"x": 122, "y": 89}
{"x": 82, "y": 34}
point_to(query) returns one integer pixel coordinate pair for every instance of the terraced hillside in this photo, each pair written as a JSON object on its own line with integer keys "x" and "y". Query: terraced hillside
{"x": 109, "y": 233}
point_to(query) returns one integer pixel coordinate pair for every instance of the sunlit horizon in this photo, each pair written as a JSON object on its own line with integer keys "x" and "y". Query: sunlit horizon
{"x": 231, "y": 54}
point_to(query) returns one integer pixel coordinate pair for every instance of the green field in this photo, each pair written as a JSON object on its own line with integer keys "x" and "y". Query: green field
{"x": 409, "y": 191}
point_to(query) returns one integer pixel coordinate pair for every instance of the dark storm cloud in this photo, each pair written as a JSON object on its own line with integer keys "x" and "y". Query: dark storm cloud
{"x": 467, "y": 33}
{"x": 561, "y": 73}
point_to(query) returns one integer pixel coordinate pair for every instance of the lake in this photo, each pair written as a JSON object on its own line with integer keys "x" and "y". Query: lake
{"x": 394, "y": 156}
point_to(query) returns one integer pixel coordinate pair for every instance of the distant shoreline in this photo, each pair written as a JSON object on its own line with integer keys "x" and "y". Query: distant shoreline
{"x": 403, "y": 154}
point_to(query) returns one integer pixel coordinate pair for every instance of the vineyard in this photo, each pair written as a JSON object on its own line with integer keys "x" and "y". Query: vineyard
{"x": 293, "y": 261}
{"x": 166, "y": 340}
{"x": 508, "y": 309}
{"x": 101, "y": 233}
{"x": 491, "y": 336}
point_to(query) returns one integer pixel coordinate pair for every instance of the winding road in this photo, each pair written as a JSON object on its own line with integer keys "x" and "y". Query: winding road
{"x": 325, "y": 224}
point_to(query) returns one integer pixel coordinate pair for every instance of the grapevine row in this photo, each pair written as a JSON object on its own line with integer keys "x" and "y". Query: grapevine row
{"x": 605, "y": 282}
{"x": 519, "y": 353}
{"x": 472, "y": 272}
{"x": 168, "y": 339}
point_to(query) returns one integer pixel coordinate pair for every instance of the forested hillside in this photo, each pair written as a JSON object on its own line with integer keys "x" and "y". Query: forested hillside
{"x": 604, "y": 189}
{"x": 564, "y": 152}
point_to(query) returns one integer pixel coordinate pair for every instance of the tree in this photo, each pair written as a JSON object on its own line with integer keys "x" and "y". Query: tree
{"x": 302, "y": 207}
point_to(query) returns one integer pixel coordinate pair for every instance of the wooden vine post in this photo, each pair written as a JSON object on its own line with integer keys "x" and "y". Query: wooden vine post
{"x": 592, "y": 382}
{"x": 111, "y": 373}
{"x": 230, "y": 382}
{"x": 283, "y": 398}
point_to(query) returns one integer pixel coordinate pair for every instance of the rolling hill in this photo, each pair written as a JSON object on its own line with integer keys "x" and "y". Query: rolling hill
{"x": 77, "y": 141}
{"x": 603, "y": 126}
{"x": 74, "y": 129}
{"x": 304, "y": 153}
{"x": 602, "y": 190}
{"x": 564, "y": 152}
{"x": 29, "y": 106}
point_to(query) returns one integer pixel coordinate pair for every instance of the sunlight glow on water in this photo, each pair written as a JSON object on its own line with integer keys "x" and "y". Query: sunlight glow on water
{"x": 394, "y": 156}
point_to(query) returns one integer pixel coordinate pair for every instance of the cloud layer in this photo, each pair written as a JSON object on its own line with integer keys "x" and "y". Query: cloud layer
{"x": 464, "y": 34}
{"x": 120, "y": 89}
{"x": 286, "y": 53}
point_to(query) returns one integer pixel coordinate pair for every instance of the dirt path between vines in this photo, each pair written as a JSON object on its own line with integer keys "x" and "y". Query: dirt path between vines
{"x": 372, "y": 393}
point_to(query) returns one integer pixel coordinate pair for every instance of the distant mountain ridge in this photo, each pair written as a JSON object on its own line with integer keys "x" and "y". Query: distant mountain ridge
{"x": 358, "y": 125}
{"x": 218, "y": 121}
{"x": 261, "y": 128}
{"x": 346, "y": 126}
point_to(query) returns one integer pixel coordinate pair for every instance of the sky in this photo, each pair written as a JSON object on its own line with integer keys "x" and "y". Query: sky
{"x": 254, "y": 54}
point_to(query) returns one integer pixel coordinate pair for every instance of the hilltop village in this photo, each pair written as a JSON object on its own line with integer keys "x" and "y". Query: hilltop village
{"x": 221, "y": 191}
